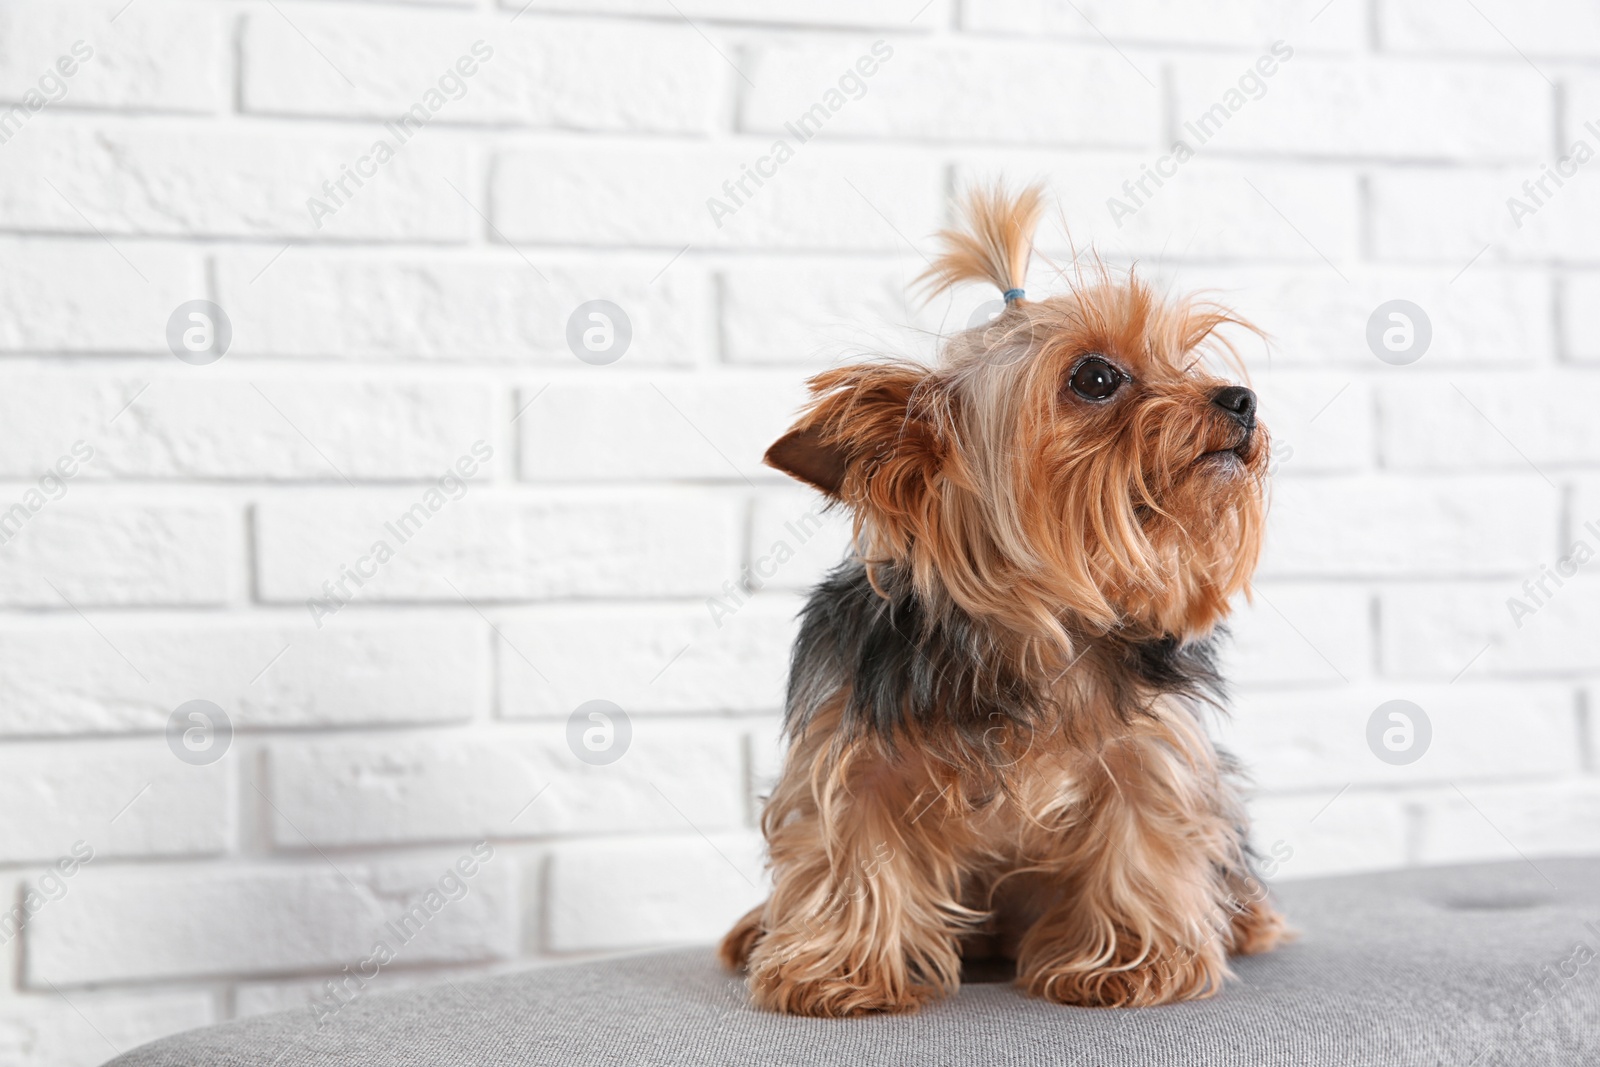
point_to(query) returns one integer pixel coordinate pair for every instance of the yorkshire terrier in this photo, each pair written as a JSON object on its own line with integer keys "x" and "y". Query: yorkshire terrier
{"x": 996, "y": 745}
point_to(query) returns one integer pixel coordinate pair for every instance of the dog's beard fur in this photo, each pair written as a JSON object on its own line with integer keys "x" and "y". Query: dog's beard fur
{"x": 994, "y": 709}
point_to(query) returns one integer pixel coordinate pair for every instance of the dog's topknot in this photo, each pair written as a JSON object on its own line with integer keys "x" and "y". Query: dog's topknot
{"x": 994, "y": 242}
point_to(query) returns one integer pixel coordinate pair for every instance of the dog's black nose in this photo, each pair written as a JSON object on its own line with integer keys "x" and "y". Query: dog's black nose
{"x": 1238, "y": 402}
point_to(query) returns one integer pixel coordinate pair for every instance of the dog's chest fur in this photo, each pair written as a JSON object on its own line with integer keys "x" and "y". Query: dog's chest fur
{"x": 939, "y": 673}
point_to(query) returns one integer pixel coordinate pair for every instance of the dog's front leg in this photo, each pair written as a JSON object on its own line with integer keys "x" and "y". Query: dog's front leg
{"x": 865, "y": 912}
{"x": 1146, "y": 864}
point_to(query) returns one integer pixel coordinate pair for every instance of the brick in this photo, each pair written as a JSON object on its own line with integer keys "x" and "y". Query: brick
{"x": 902, "y": 15}
{"x": 456, "y": 307}
{"x": 76, "y": 296}
{"x": 175, "y": 921}
{"x": 1336, "y": 833}
{"x": 165, "y": 180}
{"x": 1584, "y": 513}
{"x": 11, "y": 951}
{"x": 607, "y": 896}
{"x": 1320, "y": 423}
{"x": 562, "y": 73}
{"x": 1208, "y": 209}
{"x": 1318, "y": 740}
{"x": 397, "y": 790}
{"x": 701, "y": 428}
{"x": 127, "y": 799}
{"x": 1580, "y": 317}
{"x": 794, "y": 541}
{"x": 592, "y": 195}
{"x": 1336, "y": 107}
{"x": 727, "y": 657}
{"x": 1315, "y": 319}
{"x": 821, "y": 313}
{"x": 1427, "y": 214}
{"x": 128, "y": 62}
{"x": 227, "y": 427}
{"x": 933, "y": 90}
{"x": 1301, "y": 634}
{"x": 57, "y": 676}
{"x": 1539, "y": 28}
{"x": 1511, "y": 823}
{"x": 1476, "y": 630}
{"x": 1405, "y": 527}
{"x": 498, "y": 546}
{"x": 1589, "y": 745}
{"x": 47, "y": 1030}
{"x": 111, "y": 552}
{"x": 1580, "y": 114}
{"x": 765, "y": 748}
{"x": 1253, "y": 24}
{"x": 1475, "y": 423}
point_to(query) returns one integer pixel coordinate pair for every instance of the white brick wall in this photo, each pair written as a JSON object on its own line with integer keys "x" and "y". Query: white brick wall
{"x": 596, "y": 549}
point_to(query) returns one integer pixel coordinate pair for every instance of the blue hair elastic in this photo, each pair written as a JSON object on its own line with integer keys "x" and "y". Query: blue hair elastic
{"x": 1013, "y": 295}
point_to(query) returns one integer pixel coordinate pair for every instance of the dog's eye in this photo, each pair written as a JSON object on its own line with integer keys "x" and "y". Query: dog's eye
{"x": 1095, "y": 379}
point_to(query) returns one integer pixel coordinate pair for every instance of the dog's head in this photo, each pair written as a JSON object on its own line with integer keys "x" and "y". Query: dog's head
{"x": 1070, "y": 465}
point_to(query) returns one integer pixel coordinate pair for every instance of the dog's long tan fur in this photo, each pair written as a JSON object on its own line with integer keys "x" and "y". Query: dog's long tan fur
{"x": 1072, "y": 552}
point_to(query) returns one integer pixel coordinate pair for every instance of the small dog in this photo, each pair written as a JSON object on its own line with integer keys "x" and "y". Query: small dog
{"x": 994, "y": 715}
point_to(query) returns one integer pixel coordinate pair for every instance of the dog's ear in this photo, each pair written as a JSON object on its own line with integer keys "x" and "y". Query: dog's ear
{"x": 870, "y": 434}
{"x": 805, "y": 454}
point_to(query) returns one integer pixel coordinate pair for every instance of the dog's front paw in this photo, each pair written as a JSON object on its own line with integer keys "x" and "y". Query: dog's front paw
{"x": 835, "y": 996}
{"x": 1131, "y": 978}
{"x": 814, "y": 975}
{"x": 1258, "y": 927}
{"x": 738, "y": 943}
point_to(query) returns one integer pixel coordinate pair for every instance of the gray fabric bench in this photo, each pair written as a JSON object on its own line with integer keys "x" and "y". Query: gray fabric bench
{"x": 1466, "y": 966}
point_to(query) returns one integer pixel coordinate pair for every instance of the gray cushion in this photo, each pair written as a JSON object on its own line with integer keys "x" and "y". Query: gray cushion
{"x": 1459, "y": 966}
